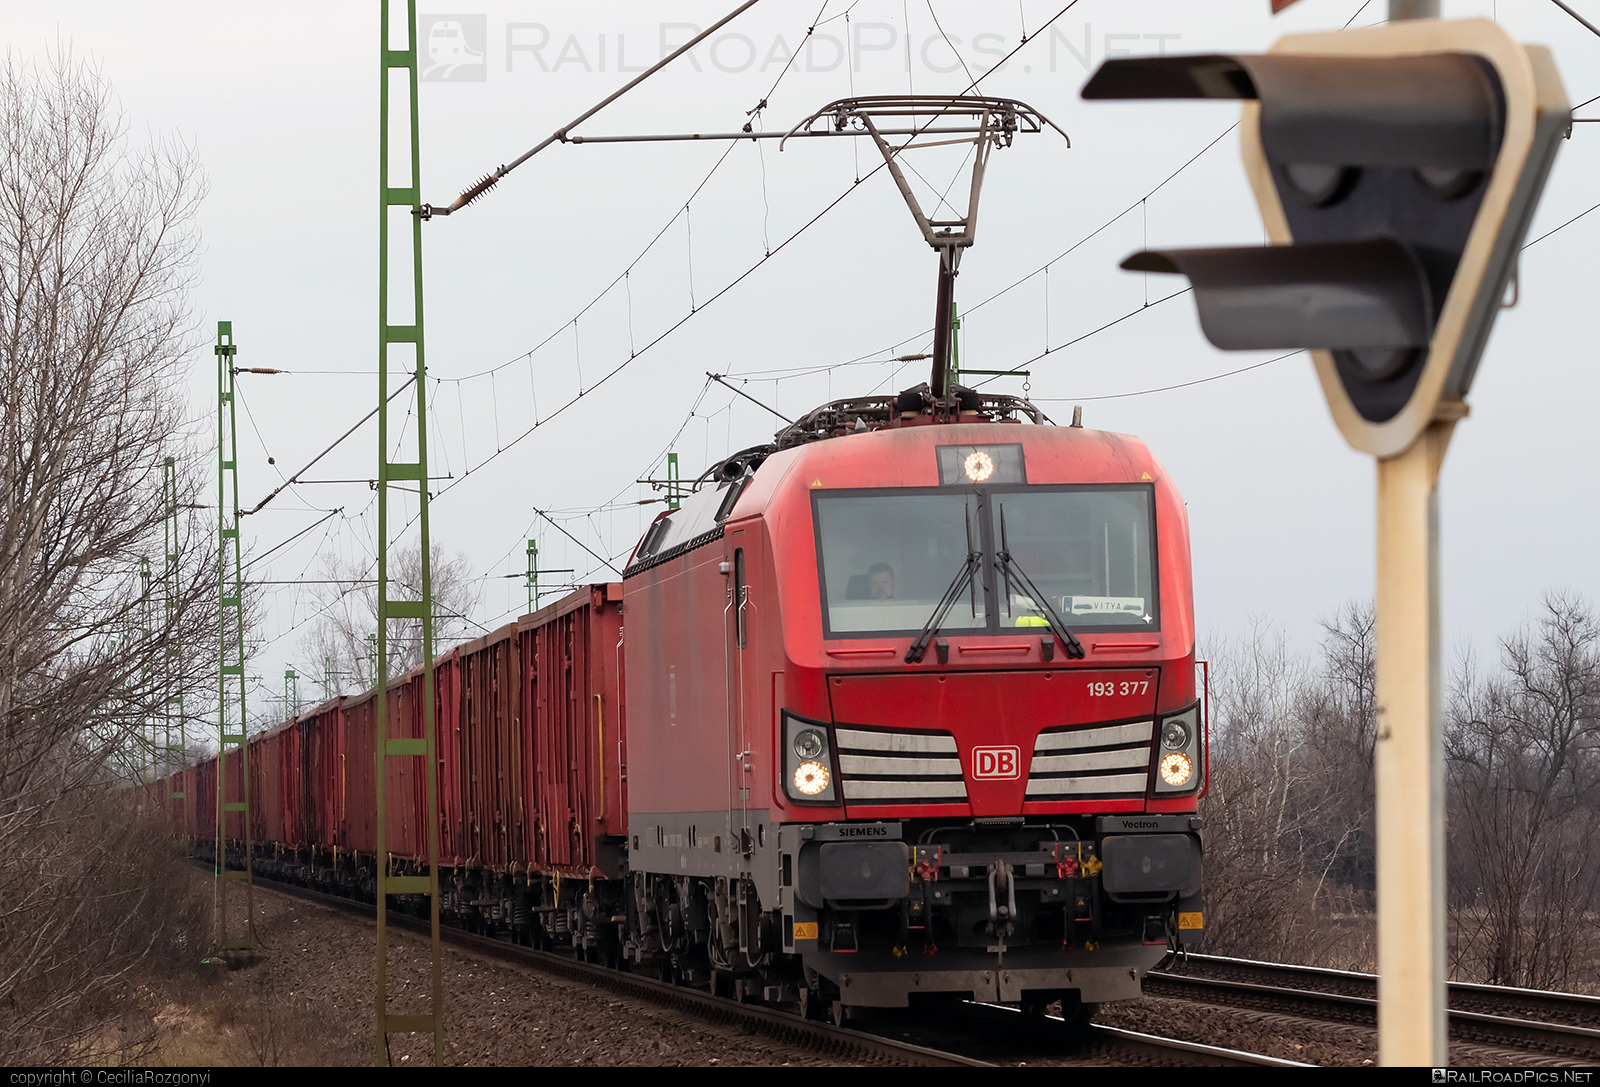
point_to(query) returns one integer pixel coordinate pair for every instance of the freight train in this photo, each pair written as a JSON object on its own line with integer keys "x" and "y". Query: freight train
{"x": 900, "y": 706}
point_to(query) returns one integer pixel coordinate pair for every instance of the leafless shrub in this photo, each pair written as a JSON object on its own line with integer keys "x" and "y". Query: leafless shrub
{"x": 265, "y": 1030}
{"x": 97, "y": 248}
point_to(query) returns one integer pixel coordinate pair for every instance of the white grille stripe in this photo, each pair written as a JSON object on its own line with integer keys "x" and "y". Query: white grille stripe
{"x": 870, "y": 765}
{"x": 1095, "y": 737}
{"x": 1110, "y": 783}
{"x": 867, "y": 789}
{"x": 1091, "y": 760}
{"x": 909, "y": 742}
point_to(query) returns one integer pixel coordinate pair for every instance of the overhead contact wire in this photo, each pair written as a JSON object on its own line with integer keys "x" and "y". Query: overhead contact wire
{"x": 663, "y": 335}
{"x": 560, "y": 135}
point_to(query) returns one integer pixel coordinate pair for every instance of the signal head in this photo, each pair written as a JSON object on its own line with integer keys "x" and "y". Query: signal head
{"x": 1396, "y": 169}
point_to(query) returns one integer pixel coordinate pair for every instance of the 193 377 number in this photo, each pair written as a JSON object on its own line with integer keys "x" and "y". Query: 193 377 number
{"x": 1125, "y": 687}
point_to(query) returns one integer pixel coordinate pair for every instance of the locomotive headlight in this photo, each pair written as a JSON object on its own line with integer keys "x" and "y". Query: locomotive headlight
{"x": 807, "y": 761}
{"x": 978, "y": 466}
{"x": 1179, "y": 755}
{"x": 811, "y": 779}
{"x": 1175, "y": 735}
{"x": 808, "y": 744}
{"x": 1176, "y": 769}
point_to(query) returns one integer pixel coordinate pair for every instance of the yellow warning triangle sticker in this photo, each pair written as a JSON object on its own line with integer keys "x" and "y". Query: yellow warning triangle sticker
{"x": 1147, "y": 476}
{"x": 816, "y": 482}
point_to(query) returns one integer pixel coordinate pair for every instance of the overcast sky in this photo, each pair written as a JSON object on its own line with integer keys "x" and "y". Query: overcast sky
{"x": 280, "y": 102}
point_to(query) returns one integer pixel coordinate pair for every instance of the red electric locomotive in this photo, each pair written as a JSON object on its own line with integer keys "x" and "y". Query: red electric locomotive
{"x": 912, "y": 710}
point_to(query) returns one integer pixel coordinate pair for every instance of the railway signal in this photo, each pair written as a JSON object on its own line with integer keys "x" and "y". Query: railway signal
{"x": 1396, "y": 169}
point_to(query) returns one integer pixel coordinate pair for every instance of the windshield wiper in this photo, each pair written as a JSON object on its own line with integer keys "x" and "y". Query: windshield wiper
{"x": 964, "y": 579}
{"x": 1008, "y": 566}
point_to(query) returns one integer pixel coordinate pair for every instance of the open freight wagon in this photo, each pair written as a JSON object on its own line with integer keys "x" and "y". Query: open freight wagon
{"x": 531, "y": 763}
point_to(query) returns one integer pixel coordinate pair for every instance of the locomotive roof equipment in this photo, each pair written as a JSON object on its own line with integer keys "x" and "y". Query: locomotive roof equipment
{"x": 993, "y": 122}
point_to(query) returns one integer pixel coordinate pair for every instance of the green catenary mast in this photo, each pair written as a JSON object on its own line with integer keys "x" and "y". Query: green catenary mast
{"x": 533, "y": 576}
{"x": 149, "y": 765}
{"x": 407, "y": 478}
{"x": 230, "y": 675}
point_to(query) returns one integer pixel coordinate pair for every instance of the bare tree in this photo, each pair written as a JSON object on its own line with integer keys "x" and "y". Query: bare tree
{"x": 1289, "y": 812}
{"x": 342, "y": 637}
{"x": 1524, "y": 784}
{"x": 1252, "y": 867}
{"x": 97, "y": 254}
{"x": 1339, "y": 728}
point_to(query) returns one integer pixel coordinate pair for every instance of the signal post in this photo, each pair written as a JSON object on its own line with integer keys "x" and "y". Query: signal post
{"x": 1408, "y": 757}
{"x": 1396, "y": 169}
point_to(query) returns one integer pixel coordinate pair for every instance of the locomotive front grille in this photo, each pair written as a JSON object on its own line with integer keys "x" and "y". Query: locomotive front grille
{"x": 1085, "y": 763}
{"x": 899, "y": 767}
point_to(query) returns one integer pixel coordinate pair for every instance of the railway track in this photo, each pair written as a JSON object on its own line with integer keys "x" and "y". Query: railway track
{"x": 818, "y": 1037}
{"x": 1132, "y": 1046}
{"x": 986, "y": 1027}
{"x": 1564, "y": 1025}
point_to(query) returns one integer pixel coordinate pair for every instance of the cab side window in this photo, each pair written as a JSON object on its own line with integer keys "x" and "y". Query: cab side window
{"x": 738, "y": 593}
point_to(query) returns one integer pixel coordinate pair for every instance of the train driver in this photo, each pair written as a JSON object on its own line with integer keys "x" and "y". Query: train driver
{"x": 880, "y": 581}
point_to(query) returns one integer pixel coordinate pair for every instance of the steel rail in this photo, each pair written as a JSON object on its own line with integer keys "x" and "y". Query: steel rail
{"x": 782, "y": 1026}
{"x": 1573, "y": 1008}
{"x": 1150, "y": 1046}
{"x": 1195, "y": 1054}
{"x": 1516, "y": 1032}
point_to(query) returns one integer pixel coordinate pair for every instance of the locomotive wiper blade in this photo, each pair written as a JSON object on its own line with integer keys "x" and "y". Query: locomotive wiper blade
{"x": 1008, "y": 566}
{"x": 919, "y": 647}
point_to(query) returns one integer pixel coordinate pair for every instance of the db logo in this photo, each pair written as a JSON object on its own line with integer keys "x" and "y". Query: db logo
{"x": 996, "y": 762}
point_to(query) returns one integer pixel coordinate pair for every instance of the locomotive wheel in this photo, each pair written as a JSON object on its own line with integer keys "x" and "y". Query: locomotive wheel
{"x": 1077, "y": 1015}
{"x": 819, "y": 998}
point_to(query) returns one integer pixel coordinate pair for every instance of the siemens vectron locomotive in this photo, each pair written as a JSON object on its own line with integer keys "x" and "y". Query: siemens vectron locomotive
{"x": 901, "y": 704}
{"x": 925, "y": 692}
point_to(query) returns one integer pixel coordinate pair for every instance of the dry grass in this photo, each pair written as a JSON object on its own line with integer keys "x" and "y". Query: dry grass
{"x": 188, "y": 1010}
{"x": 100, "y": 901}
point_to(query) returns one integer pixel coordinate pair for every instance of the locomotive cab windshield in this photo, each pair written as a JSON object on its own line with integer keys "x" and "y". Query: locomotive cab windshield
{"x": 887, "y": 557}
